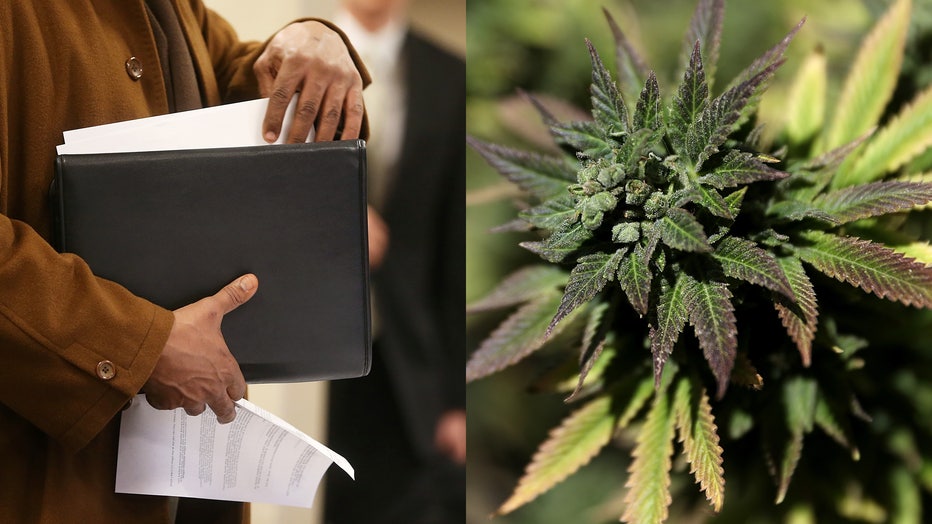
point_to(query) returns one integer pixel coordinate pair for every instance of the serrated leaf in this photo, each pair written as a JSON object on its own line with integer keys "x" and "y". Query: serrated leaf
{"x": 632, "y": 69}
{"x": 648, "y": 498}
{"x": 907, "y": 135}
{"x": 539, "y": 175}
{"x": 740, "y": 168}
{"x": 520, "y": 286}
{"x": 608, "y": 108}
{"x": 699, "y": 436}
{"x": 794, "y": 210}
{"x": 875, "y": 199}
{"x": 672, "y": 314}
{"x": 712, "y": 316}
{"x": 872, "y": 78}
{"x": 792, "y": 452}
{"x": 800, "y": 317}
{"x": 636, "y": 146}
{"x": 744, "y": 260}
{"x": 552, "y": 213}
{"x": 920, "y": 250}
{"x": 688, "y": 104}
{"x": 767, "y": 60}
{"x": 805, "y": 112}
{"x": 713, "y": 202}
{"x": 872, "y": 267}
{"x": 722, "y": 117}
{"x": 584, "y": 136}
{"x": 745, "y": 374}
{"x": 635, "y": 276}
{"x": 521, "y": 334}
{"x": 680, "y": 230}
{"x": 587, "y": 279}
{"x": 735, "y": 199}
{"x": 570, "y": 446}
{"x": 705, "y": 28}
{"x": 648, "y": 113}
{"x": 595, "y": 337}
{"x": 563, "y": 241}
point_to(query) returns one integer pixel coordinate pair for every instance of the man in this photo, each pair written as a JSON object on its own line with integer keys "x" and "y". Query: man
{"x": 75, "y": 349}
{"x": 404, "y": 426}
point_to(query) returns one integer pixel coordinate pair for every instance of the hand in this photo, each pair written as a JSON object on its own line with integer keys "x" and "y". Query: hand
{"x": 450, "y": 435}
{"x": 378, "y": 237}
{"x": 196, "y": 367}
{"x": 311, "y": 59}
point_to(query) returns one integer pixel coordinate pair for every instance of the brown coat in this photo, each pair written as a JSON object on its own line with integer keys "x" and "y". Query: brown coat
{"x": 63, "y": 66}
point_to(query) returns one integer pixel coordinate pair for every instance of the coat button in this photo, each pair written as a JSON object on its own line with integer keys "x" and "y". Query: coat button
{"x": 134, "y": 68}
{"x": 106, "y": 370}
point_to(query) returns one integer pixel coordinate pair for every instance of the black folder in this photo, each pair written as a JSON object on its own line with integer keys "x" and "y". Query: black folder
{"x": 176, "y": 226}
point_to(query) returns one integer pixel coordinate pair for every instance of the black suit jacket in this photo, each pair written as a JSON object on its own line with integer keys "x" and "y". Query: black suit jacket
{"x": 421, "y": 284}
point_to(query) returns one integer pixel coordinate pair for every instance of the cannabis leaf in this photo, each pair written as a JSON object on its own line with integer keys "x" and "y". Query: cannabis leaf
{"x": 672, "y": 314}
{"x": 799, "y": 316}
{"x": 589, "y": 277}
{"x": 870, "y": 266}
{"x": 679, "y": 229}
{"x": 648, "y": 495}
{"x": 742, "y": 259}
{"x": 712, "y": 316}
{"x": 520, "y": 286}
{"x": 539, "y": 175}
{"x": 699, "y": 435}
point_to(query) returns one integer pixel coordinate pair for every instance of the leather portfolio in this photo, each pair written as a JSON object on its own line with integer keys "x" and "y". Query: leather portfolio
{"x": 177, "y": 226}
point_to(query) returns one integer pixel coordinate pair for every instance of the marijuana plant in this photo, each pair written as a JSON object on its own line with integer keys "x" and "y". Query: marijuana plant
{"x": 673, "y": 228}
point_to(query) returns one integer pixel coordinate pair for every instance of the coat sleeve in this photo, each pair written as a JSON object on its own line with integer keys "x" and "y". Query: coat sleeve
{"x": 62, "y": 332}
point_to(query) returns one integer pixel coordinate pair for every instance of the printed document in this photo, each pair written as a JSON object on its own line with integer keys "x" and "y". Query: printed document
{"x": 256, "y": 458}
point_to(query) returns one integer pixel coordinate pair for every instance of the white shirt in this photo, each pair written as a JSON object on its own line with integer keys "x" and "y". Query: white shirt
{"x": 384, "y": 98}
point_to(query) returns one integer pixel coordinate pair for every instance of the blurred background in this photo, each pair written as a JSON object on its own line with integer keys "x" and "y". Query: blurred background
{"x": 538, "y": 46}
{"x": 304, "y": 405}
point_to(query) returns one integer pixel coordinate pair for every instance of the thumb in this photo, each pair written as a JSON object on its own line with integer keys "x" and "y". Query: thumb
{"x": 236, "y": 293}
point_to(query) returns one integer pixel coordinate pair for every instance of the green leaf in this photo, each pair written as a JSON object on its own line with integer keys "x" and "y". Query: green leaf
{"x": 734, "y": 201}
{"x": 870, "y": 200}
{"x": 712, "y": 316}
{"x": 768, "y": 60}
{"x": 680, "y": 230}
{"x": 799, "y": 401}
{"x": 907, "y": 135}
{"x": 648, "y": 113}
{"x": 587, "y": 137}
{"x": 907, "y": 502}
{"x": 805, "y": 111}
{"x": 872, "y": 267}
{"x": 521, "y": 334}
{"x": 563, "y": 241}
{"x": 589, "y": 277}
{"x": 740, "y": 168}
{"x": 723, "y": 116}
{"x": 688, "y": 105}
{"x": 801, "y": 316}
{"x": 872, "y": 78}
{"x": 552, "y": 213}
{"x": 672, "y": 313}
{"x": 607, "y": 105}
{"x": 699, "y": 435}
{"x": 712, "y": 201}
{"x": 794, "y": 210}
{"x": 635, "y": 276}
{"x": 596, "y": 336}
{"x": 648, "y": 498}
{"x": 826, "y": 419}
{"x": 744, "y": 260}
{"x": 705, "y": 29}
{"x": 570, "y": 446}
{"x": 541, "y": 176}
{"x": 632, "y": 69}
{"x": 520, "y": 286}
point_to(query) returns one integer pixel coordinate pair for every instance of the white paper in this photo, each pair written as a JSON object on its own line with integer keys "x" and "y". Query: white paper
{"x": 256, "y": 458}
{"x": 231, "y": 125}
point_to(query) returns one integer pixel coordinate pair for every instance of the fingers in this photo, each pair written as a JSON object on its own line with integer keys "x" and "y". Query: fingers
{"x": 236, "y": 293}
{"x": 312, "y": 60}
{"x": 224, "y": 409}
